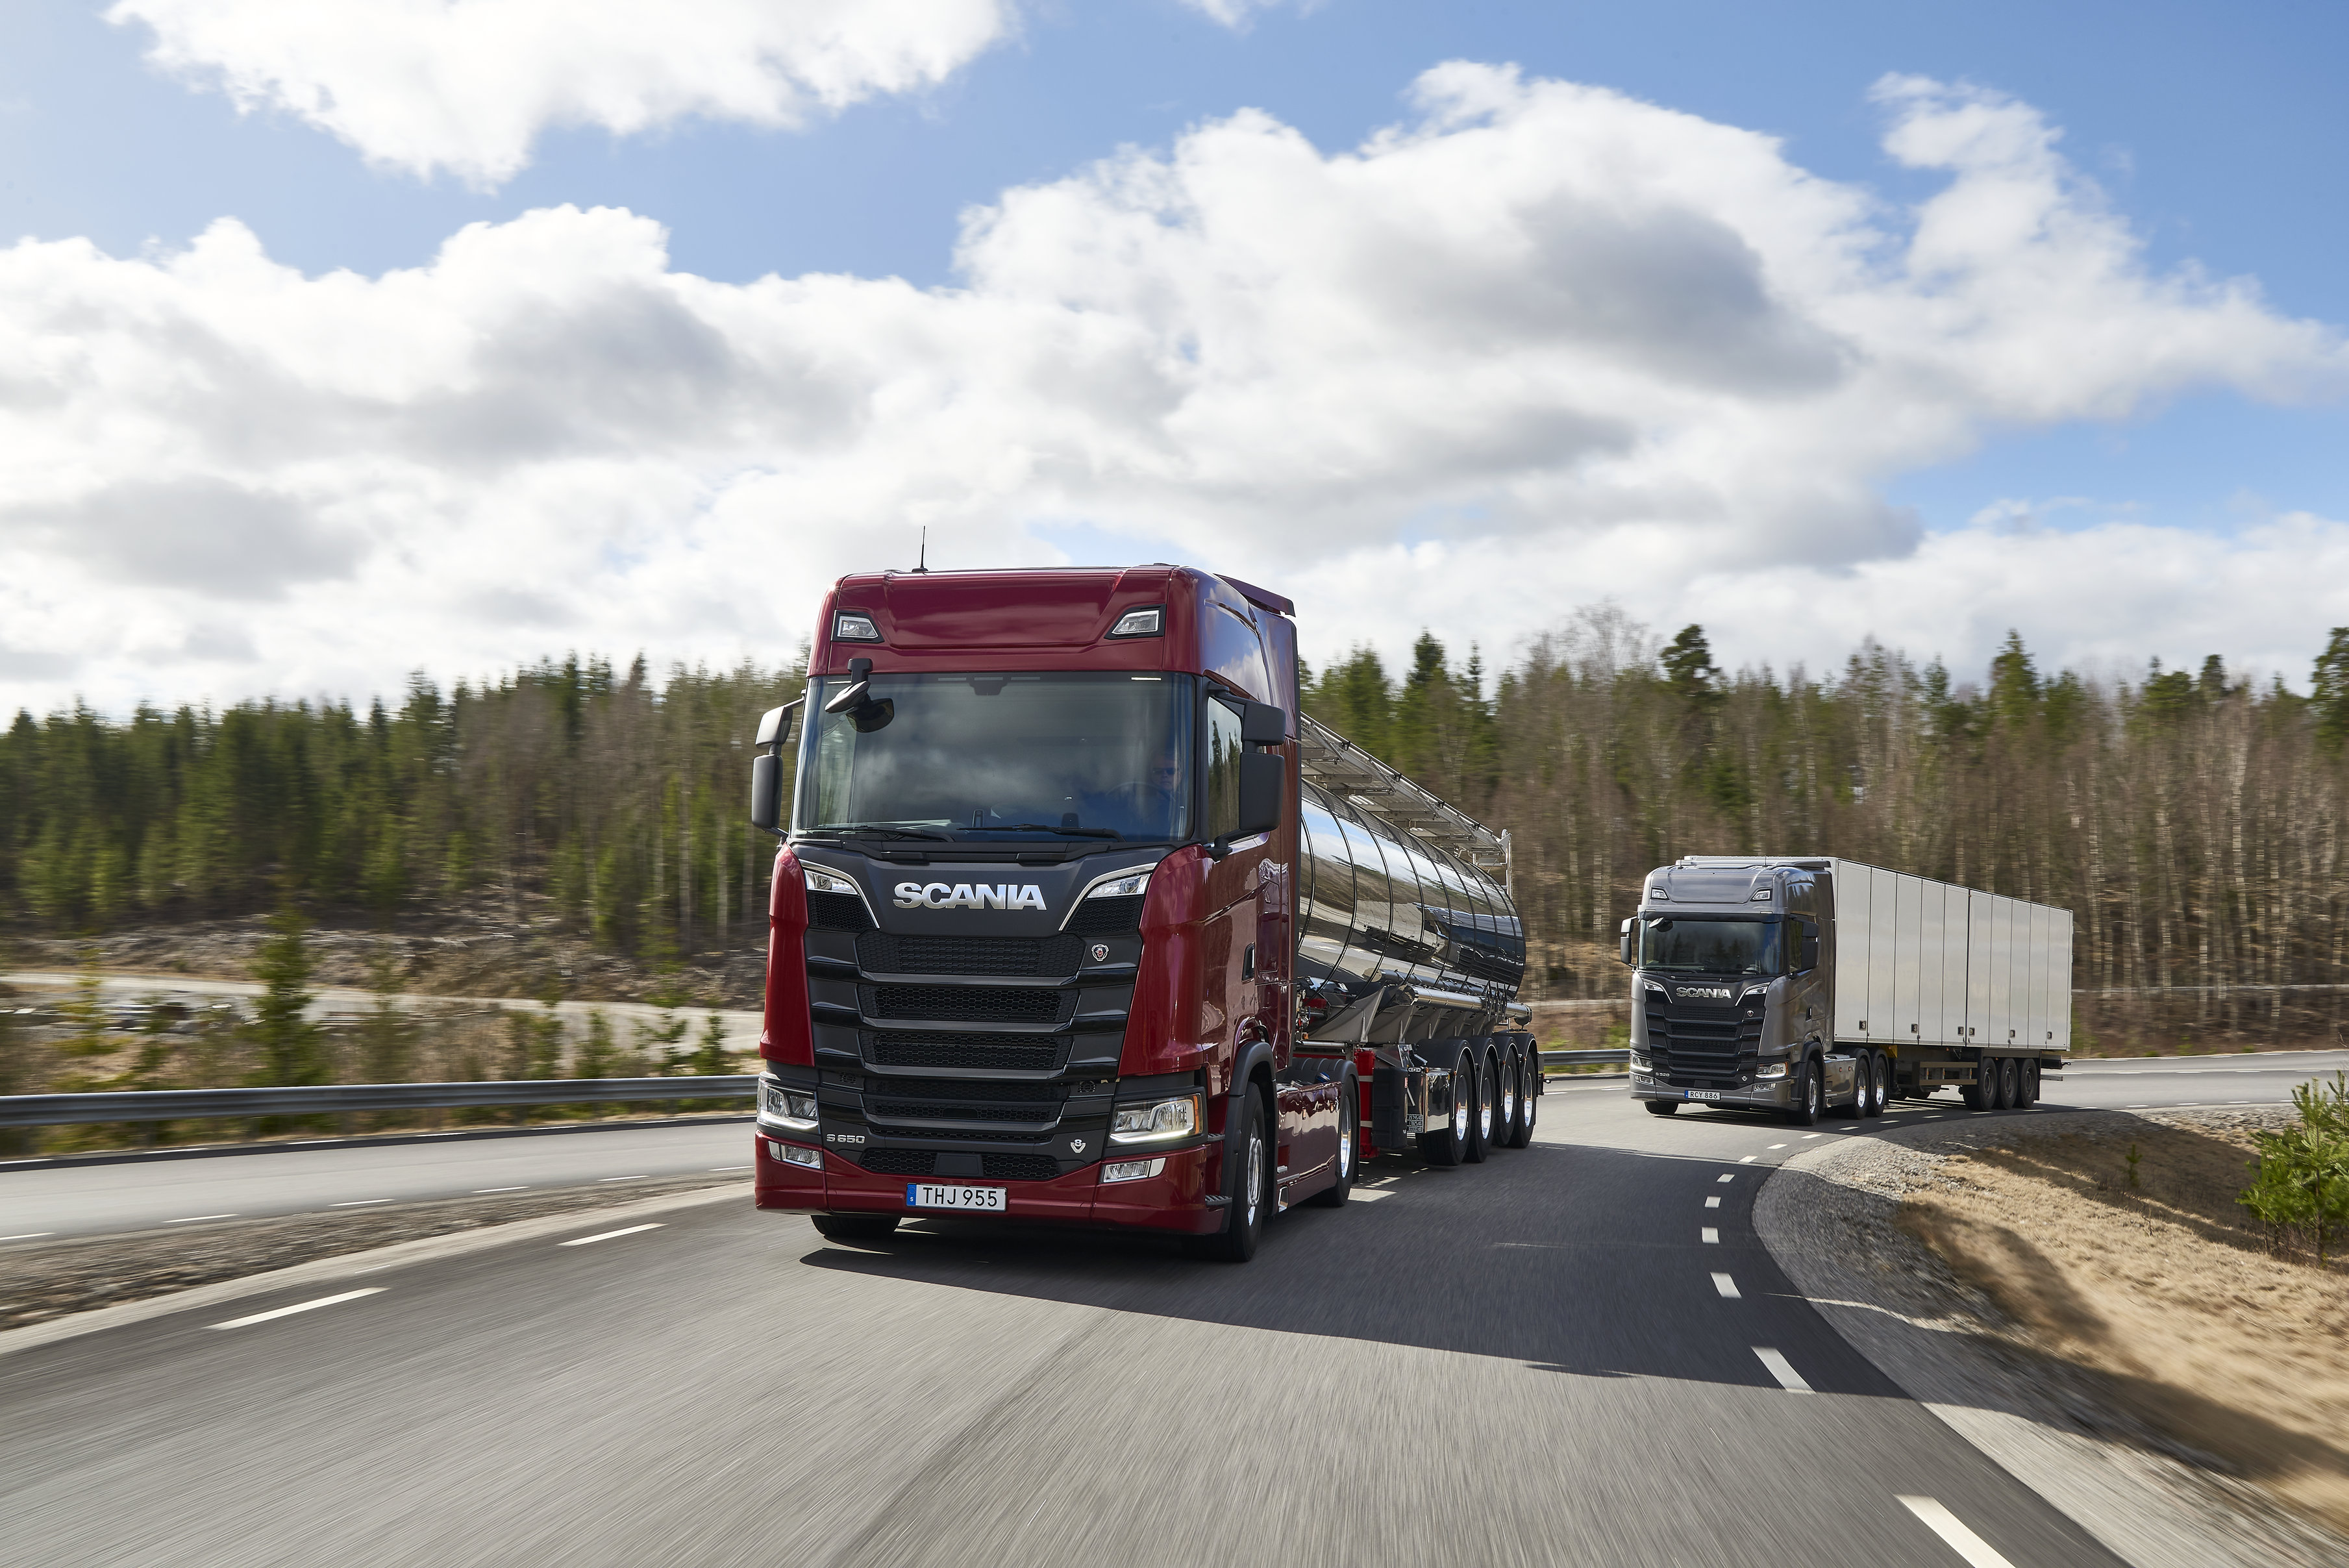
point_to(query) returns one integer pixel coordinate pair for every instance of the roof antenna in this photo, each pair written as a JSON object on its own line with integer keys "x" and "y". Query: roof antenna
{"x": 922, "y": 562}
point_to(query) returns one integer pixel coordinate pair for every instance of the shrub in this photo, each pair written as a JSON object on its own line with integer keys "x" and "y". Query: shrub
{"x": 2299, "y": 1186}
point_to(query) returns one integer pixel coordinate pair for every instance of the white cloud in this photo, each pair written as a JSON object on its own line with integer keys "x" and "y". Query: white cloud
{"x": 1539, "y": 344}
{"x": 466, "y": 86}
{"x": 1238, "y": 14}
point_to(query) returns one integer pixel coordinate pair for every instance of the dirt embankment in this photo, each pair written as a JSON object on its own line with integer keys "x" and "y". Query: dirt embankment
{"x": 2166, "y": 1289}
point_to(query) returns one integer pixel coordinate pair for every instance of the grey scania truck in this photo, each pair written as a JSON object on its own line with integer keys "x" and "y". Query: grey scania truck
{"x": 1800, "y": 984}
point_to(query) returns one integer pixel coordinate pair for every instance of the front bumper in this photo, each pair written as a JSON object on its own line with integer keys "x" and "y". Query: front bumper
{"x": 1775, "y": 1094}
{"x": 1175, "y": 1199}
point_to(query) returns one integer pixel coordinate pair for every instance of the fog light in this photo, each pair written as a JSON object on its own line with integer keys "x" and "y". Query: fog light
{"x": 1156, "y": 1123}
{"x": 1132, "y": 1169}
{"x": 1772, "y": 1070}
{"x": 792, "y": 1154}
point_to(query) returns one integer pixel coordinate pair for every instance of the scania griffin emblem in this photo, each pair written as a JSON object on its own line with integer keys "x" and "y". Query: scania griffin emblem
{"x": 1098, "y": 952}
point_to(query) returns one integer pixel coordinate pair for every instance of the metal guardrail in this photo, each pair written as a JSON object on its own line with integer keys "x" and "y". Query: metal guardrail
{"x": 1584, "y": 1058}
{"x": 326, "y": 1099}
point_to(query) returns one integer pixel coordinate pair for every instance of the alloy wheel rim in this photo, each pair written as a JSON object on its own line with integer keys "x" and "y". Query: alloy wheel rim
{"x": 1459, "y": 1116}
{"x": 1345, "y": 1152}
{"x": 1254, "y": 1175}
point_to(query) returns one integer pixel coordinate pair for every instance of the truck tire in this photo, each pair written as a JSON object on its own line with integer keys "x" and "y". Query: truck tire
{"x": 1982, "y": 1095}
{"x": 1448, "y": 1145}
{"x": 2009, "y": 1090}
{"x": 1810, "y": 1094}
{"x": 1505, "y": 1107}
{"x": 2031, "y": 1082}
{"x": 1250, "y": 1142}
{"x": 1488, "y": 1094}
{"x": 1660, "y": 1107}
{"x": 1529, "y": 1094}
{"x": 854, "y": 1226}
{"x": 1524, "y": 1075}
{"x": 1350, "y": 1144}
{"x": 1880, "y": 1084}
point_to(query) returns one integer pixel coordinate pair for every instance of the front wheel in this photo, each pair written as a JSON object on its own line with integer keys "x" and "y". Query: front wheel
{"x": 1810, "y": 1096}
{"x": 1878, "y": 1089}
{"x": 1244, "y": 1220}
{"x": 1334, "y": 1196}
{"x": 854, "y": 1226}
{"x": 1662, "y": 1107}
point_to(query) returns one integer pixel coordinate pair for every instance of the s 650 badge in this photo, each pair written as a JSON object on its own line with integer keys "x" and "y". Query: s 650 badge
{"x": 844, "y": 1138}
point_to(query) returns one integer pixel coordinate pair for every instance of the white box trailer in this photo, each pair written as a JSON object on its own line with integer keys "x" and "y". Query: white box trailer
{"x": 1801, "y": 984}
{"x": 1916, "y": 961}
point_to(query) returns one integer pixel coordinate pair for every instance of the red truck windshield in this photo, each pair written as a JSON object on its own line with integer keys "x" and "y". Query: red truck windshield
{"x": 1000, "y": 757}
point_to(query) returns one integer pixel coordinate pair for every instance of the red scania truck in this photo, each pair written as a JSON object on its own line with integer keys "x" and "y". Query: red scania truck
{"x": 1077, "y": 918}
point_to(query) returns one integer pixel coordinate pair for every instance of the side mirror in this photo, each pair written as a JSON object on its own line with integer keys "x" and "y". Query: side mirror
{"x": 860, "y": 682}
{"x": 1807, "y": 955}
{"x": 767, "y": 767}
{"x": 1261, "y": 777}
{"x": 1627, "y": 941}
{"x": 1262, "y": 724}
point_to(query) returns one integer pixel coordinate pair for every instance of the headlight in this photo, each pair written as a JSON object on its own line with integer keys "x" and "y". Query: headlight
{"x": 1772, "y": 1070}
{"x": 1124, "y": 887}
{"x": 793, "y": 1108}
{"x": 1641, "y": 1063}
{"x": 825, "y": 882}
{"x": 1155, "y": 1123}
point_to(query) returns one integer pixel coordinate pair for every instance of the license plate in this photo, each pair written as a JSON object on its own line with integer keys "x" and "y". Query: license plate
{"x": 934, "y": 1195}
{"x": 1702, "y": 1094}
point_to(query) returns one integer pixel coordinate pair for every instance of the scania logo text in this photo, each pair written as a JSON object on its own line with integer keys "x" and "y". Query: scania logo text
{"x": 1708, "y": 993}
{"x": 969, "y": 896}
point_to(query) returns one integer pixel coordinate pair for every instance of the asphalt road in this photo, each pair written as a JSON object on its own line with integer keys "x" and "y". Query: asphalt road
{"x": 1575, "y": 1353}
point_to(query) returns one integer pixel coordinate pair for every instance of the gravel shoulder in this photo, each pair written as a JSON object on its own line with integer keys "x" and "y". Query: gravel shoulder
{"x": 43, "y": 1281}
{"x": 2138, "y": 1442}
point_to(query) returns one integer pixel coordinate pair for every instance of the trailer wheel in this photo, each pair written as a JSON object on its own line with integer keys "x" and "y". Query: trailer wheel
{"x": 1526, "y": 1075}
{"x": 1982, "y": 1095}
{"x": 1660, "y": 1107}
{"x": 1810, "y": 1094}
{"x": 1448, "y": 1145}
{"x": 1504, "y": 1112}
{"x": 1350, "y": 1142}
{"x": 2030, "y": 1083}
{"x": 1244, "y": 1220}
{"x": 1880, "y": 1084}
{"x": 854, "y": 1226}
{"x": 1480, "y": 1126}
{"x": 2010, "y": 1084}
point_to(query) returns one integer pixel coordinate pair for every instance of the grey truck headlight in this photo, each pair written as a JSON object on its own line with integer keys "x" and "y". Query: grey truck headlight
{"x": 793, "y": 1108}
{"x": 1160, "y": 1122}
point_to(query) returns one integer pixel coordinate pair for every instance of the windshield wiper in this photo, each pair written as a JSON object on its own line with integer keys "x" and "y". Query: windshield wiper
{"x": 1044, "y": 827}
{"x": 880, "y": 830}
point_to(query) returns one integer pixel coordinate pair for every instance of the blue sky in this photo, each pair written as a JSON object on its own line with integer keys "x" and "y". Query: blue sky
{"x": 2214, "y": 134}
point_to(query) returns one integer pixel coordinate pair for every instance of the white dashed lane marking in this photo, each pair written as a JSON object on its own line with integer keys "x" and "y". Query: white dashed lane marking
{"x": 26, "y": 1235}
{"x": 1726, "y": 1176}
{"x": 607, "y": 1235}
{"x": 358, "y": 1202}
{"x": 1778, "y": 1145}
{"x": 619, "y": 1178}
{"x": 1749, "y": 1159}
{"x": 193, "y": 1218}
{"x": 1978, "y": 1552}
{"x": 301, "y": 1306}
{"x": 1783, "y": 1370}
{"x": 1709, "y": 1236}
{"x": 1726, "y": 1286}
{"x": 479, "y": 1190}
{"x": 1713, "y": 1203}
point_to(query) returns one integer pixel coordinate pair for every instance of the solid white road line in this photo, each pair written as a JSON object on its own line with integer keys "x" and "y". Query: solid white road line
{"x": 1709, "y": 1236}
{"x": 301, "y": 1306}
{"x": 584, "y": 1241}
{"x": 1978, "y": 1552}
{"x": 1726, "y": 1286}
{"x": 357, "y": 1202}
{"x": 619, "y": 1178}
{"x": 26, "y": 1235}
{"x": 479, "y": 1190}
{"x": 193, "y": 1218}
{"x": 1783, "y": 1370}
{"x": 1713, "y": 1203}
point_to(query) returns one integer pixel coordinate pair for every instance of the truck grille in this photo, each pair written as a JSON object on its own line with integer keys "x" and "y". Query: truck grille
{"x": 837, "y": 912}
{"x": 1107, "y": 916}
{"x": 1019, "y": 1167}
{"x": 878, "y": 952}
{"x": 963, "y": 1099}
{"x": 969, "y": 1003}
{"x": 968, "y": 1053}
{"x": 1701, "y": 1047}
{"x": 898, "y": 1161}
